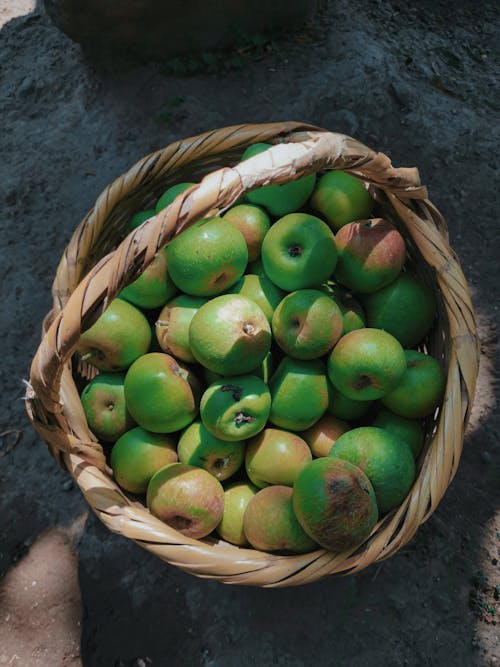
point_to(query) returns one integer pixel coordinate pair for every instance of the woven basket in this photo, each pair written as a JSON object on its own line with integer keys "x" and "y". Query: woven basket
{"x": 96, "y": 266}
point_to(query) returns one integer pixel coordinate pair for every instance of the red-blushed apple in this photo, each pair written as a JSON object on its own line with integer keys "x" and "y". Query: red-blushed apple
{"x": 335, "y": 503}
{"x": 253, "y": 222}
{"x": 276, "y": 457}
{"x": 387, "y": 462}
{"x": 188, "y": 499}
{"x": 307, "y": 324}
{"x": 236, "y": 408}
{"x": 322, "y": 435}
{"x": 120, "y": 335}
{"x": 207, "y": 258}
{"x": 270, "y": 523}
{"x": 230, "y": 335}
{"x": 103, "y": 401}
{"x": 410, "y": 431}
{"x": 299, "y": 251}
{"x": 138, "y": 454}
{"x": 279, "y": 199}
{"x": 260, "y": 290}
{"x": 299, "y": 393}
{"x": 161, "y": 395}
{"x": 172, "y": 326}
{"x": 371, "y": 254}
{"x": 198, "y": 447}
{"x": 236, "y": 498}
{"x": 341, "y": 198}
{"x": 153, "y": 288}
{"x": 421, "y": 388}
{"x": 405, "y": 308}
{"x": 366, "y": 364}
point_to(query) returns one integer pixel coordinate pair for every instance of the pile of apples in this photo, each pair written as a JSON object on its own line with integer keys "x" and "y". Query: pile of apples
{"x": 260, "y": 378}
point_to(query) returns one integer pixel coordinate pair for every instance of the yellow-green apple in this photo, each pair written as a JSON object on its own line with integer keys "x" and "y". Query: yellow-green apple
{"x": 253, "y": 222}
{"x": 386, "y": 461}
{"x": 138, "y": 454}
{"x": 264, "y": 371}
{"x": 188, "y": 499}
{"x": 353, "y": 315}
{"x": 236, "y": 498}
{"x": 270, "y": 523}
{"x": 230, "y": 335}
{"x": 371, "y": 254}
{"x": 153, "y": 288}
{"x": 405, "y": 308}
{"x": 299, "y": 393}
{"x": 236, "y": 408}
{"x": 138, "y": 218}
{"x": 341, "y": 198}
{"x": 299, "y": 251}
{"x": 421, "y": 388}
{"x": 322, "y": 435}
{"x": 345, "y": 408}
{"x": 307, "y": 324}
{"x": 103, "y": 401}
{"x": 161, "y": 395}
{"x": 410, "y": 431}
{"x": 261, "y": 290}
{"x": 335, "y": 504}
{"x": 172, "y": 326}
{"x": 169, "y": 195}
{"x": 366, "y": 364}
{"x": 198, "y": 447}
{"x": 207, "y": 258}
{"x": 275, "y": 456}
{"x": 279, "y": 199}
{"x": 120, "y": 335}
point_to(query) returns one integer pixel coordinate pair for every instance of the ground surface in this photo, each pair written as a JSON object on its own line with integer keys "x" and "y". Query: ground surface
{"x": 421, "y": 86}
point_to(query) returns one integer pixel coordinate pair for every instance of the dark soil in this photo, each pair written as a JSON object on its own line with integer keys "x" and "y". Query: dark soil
{"x": 419, "y": 84}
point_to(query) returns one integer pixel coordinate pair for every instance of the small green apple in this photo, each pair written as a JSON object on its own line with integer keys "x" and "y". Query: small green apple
{"x": 322, "y": 435}
{"x": 198, "y": 447}
{"x": 341, "y": 198}
{"x": 275, "y": 456}
{"x": 353, "y": 315}
{"x": 260, "y": 290}
{"x": 345, "y": 408}
{"x": 138, "y": 218}
{"x": 236, "y": 498}
{"x": 172, "y": 326}
{"x": 153, "y": 288}
{"x": 103, "y": 401}
{"x": 253, "y": 222}
{"x": 410, "y": 431}
{"x": 264, "y": 371}
{"x": 169, "y": 195}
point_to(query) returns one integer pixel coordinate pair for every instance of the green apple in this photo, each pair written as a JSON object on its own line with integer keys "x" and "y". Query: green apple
{"x": 264, "y": 371}
{"x": 253, "y": 222}
{"x": 276, "y": 457}
{"x": 299, "y": 251}
{"x": 405, "y": 308}
{"x": 322, "y": 435}
{"x": 279, "y": 199}
{"x": 353, "y": 315}
{"x": 230, "y": 335}
{"x": 270, "y": 523}
{"x": 138, "y": 218}
{"x": 386, "y": 461}
{"x": 169, "y": 195}
{"x": 137, "y": 455}
{"x": 345, "y": 408}
{"x": 421, "y": 388}
{"x": 366, "y": 364}
{"x": 120, "y": 335}
{"x": 307, "y": 324}
{"x": 103, "y": 401}
{"x": 341, "y": 198}
{"x": 371, "y": 254}
{"x": 207, "y": 258}
{"x": 335, "y": 503}
{"x": 188, "y": 499}
{"x": 236, "y": 498}
{"x": 261, "y": 291}
{"x": 410, "y": 431}
{"x": 161, "y": 395}
{"x": 153, "y": 288}
{"x": 299, "y": 393}
{"x": 236, "y": 408}
{"x": 198, "y": 447}
{"x": 172, "y": 326}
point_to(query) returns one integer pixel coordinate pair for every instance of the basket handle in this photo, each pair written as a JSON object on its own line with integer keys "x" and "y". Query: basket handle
{"x": 303, "y": 153}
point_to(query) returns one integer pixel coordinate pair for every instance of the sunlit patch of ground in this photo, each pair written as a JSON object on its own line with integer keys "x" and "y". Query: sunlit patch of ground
{"x": 11, "y": 9}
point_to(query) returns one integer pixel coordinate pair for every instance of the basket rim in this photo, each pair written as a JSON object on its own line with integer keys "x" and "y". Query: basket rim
{"x": 300, "y": 149}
